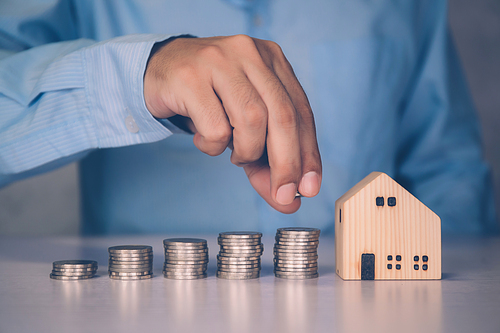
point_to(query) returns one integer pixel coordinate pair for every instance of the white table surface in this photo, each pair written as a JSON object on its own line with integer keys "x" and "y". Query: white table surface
{"x": 466, "y": 300}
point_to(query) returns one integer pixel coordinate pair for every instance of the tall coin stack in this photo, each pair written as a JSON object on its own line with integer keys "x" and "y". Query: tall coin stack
{"x": 296, "y": 253}
{"x": 185, "y": 258}
{"x": 73, "y": 269}
{"x": 239, "y": 255}
{"x": 130, "y": 262}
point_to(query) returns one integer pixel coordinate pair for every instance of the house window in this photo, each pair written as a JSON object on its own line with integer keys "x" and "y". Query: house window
{"x": 379, "y": 201}
{"x": 391, "y": 201}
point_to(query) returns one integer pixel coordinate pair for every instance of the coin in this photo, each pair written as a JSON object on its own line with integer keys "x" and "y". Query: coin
{"x": 139, "y": 277}
{"x": 294, "y": 269}
{"x": 238, "y": 265}
{"x": 299, "y": 230}
{"x": 74, "y": 263}
{"x": 69, "y": 270}
{"x": 184, "y": 241}
{"x": 130, "y": 249}
{"x": 65, "y": 277}
{"x": 240, "y": 234}
{"x": 237, "y": 276}
{"x": 297, "y": 277}
{"x": 178, "y": 251}
{"x": 185, "y": 277}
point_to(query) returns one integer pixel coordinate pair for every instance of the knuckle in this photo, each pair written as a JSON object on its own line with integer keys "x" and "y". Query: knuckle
{"x": 212, "y": 52}
{"x": 285, "y": 117}
{"x": 219, "y": 135}
{"x": 243, "y": 41}
{"x": 254, "y": 115}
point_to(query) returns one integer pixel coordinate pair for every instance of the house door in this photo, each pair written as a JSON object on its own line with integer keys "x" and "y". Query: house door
{"x": 367, "y": 266}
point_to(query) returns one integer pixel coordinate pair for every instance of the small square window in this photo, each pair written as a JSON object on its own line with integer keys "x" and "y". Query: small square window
{"x": 398, "y": 258}
{"x": 416, "y": 258}
{"x": 391, "y": 201}
{"x": 398, "y": 266}
{"x": 424, "y": 267}
{"x": 415, "y": 267}
{"x": 425, "y": 258}
{"x": 389, "y": 266}
{"x": 389, "y": 257}
{"x": 379, "y": 201}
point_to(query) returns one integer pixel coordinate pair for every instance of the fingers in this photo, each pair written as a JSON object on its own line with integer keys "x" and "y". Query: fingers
{"x": 258, "y": 174}
{"x": 283, "y": 138}
{"x": 213, "y": 131}
{"x": 247, "y": 115}
{"x": 310, "y": 182}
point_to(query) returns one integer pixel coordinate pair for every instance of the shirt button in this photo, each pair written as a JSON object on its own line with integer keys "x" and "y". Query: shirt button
{"x": 131, "y": 125}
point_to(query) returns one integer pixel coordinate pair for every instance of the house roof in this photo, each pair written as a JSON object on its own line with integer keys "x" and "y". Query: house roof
{"x": 359, "y": 186}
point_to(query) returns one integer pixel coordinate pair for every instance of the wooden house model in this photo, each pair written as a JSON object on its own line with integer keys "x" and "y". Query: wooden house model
{"x": 382, "y": 232}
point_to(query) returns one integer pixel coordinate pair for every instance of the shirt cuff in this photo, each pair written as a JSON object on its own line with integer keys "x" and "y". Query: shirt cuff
{"x": 115, "y": 91}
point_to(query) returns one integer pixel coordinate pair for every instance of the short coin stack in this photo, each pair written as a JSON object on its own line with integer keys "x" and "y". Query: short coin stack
{"x": 185, "y": 258}
{"x": 73, "y": 269}
{"x": 296, "y": 253}
{"x": 239, "y": 255}
{"x": 130, "y": 262}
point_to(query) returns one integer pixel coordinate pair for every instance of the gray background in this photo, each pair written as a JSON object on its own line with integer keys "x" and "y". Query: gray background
{"x": 48, "y": 204}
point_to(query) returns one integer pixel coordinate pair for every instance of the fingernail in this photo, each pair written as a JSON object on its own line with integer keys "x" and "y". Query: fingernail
{"x": 310, "y": 184}
{"x": 286, "y": 194}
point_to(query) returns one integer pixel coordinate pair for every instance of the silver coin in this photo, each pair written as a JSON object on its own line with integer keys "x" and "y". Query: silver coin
{"x": 172, "y": 273}
{"x": 185, "y": 255}
{"x": 237, "y": 276}
{"x": 138, "y": 277}
{"x": 240, "y": 234}
{"x": 174, "y": 251}
{"x": 130, "y": 266}
{"x": 237, "y": 241}
{"x": 73, "y": 273}
{"x": 69, "y": 270}
{"x": 186, "y": 262}
{"x": 296, "y": 230}
{"x": 294, "y": 248}
{"x": 238, "y": 270}
{"x": 249, "y": 256}
{"x": 62, "y": 277}
{"x": 194, "y": 266}
{"x": 130, "y": 249}
{"x": 113, "y": 273}
{"x": 226, "y": 257}
{"x": 297, "y": 244}
{"x": 242, "y": 246}
{"x": 118, "y": 258}
{"x": 237, "y": 265}
{"x": 242, "y": 252}
{"x": 297, "y": 277}
{"x": 294, "y": 273}
{"x": 185, "y": 277}
{"x": 294, "y": 253}
{"x": 74, "y": 263}
{"x": 297, "y": 265}
{"x": 131, "y": 255}
{"x": 184, "y": 241}
{"x": 295, "y": 270}
{"x": 130, "y": 270}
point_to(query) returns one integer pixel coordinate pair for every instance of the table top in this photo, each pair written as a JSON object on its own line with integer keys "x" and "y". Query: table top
{"x": 467, "y": 299}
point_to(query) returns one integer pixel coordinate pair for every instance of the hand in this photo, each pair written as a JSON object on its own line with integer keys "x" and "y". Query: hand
{"x": 241, "y": 92}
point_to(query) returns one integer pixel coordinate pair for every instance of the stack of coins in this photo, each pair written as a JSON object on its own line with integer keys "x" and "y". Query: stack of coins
{"x": 239, "y": 255}
{"x": 296, "y": 253}
{"x": 185, "y": 258}
{"x": 73, "y": 269}
{"x": 130, "y": 262}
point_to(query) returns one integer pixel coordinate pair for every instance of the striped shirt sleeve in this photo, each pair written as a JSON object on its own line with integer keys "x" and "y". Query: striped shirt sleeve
{"x": 62, "y": 99}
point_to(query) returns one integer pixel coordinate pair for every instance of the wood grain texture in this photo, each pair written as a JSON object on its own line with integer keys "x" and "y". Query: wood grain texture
{"x": 407, "y": 229}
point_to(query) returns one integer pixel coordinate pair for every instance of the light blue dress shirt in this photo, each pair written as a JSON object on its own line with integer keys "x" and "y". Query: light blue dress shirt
{"x": 383, "y": 79}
